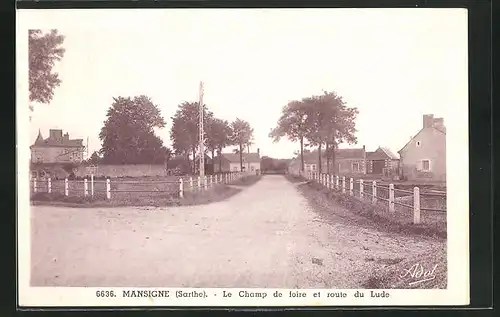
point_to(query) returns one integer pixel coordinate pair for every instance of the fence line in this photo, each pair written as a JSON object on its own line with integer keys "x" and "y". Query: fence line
{"x": 373, "y": 192}
{"x": 180, "y": 186}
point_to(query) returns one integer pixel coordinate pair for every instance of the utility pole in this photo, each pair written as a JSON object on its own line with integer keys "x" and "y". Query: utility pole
{"x": 202, "y": 150}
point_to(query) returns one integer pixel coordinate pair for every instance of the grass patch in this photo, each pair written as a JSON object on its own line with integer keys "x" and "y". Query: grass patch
{"x": 247, "y": 180}
{"x": 295, "y": 178}
{"x": 197, "y": 197}
{"x": 326, "y": 202}
{"x": 429, "y": 271}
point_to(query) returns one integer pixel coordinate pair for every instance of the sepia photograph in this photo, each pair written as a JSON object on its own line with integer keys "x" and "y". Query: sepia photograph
{"x": 242, "y": 157}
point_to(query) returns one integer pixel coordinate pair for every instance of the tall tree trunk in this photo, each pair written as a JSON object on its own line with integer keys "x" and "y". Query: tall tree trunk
{"x": 334, "y": 147}
{"x": 327, "y": 158}
{"x": 319, "y": 157}
{"x": 302, "y": 153}
{"x": 220, "y": 159}
{"x": 213, "y": 160}
{"x": 241, "y": 157}
{"x": 194, "y": 160}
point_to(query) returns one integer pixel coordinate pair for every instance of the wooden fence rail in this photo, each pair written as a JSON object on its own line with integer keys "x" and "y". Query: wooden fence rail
{"x": 375, "y": 193}
{"x": 109, "y": 186}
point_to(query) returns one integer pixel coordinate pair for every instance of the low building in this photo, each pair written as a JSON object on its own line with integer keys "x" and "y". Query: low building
{"x": 424, "y": 156}
{"x": 230, "y": 162}
{"x": 382, "y": 161}
{"x": 347, "y": 162}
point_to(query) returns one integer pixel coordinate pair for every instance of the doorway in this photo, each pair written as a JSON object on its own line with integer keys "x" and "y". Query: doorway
{"x": 378, "y": 166}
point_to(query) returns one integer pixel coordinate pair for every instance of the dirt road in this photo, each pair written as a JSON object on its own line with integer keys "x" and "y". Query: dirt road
{"x": 265, "y": 236}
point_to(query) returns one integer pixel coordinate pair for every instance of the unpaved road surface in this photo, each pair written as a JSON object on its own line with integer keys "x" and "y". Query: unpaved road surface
{"x": 265, "y": 236}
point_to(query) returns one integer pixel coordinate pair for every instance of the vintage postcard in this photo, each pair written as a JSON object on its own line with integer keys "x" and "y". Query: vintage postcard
{"x": 270, "y": 157}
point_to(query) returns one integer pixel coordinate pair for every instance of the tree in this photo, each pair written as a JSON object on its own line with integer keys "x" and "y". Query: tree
{"x": 185, "y": 129}
{"x": 292, "y": 124}
{"x": 43, "y": 50}
{"x": 266, "y": 164}
{"x": 241, "y": 136}
{"x": 218, "y": 137}
{"x": 94, "y": 159}
{"x": 128, "y": 136}
{"x": 330, "y": 122}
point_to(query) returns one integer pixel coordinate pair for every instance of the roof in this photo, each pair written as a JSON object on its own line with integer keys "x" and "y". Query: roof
{"x": 247, "y": 157}
{"x": 382, "y": 153}
{"x": 312, "y": 157}
{"x": 440, "y": 129}
{"x": 60, "y": 142}
{"x": 389, "y": 153}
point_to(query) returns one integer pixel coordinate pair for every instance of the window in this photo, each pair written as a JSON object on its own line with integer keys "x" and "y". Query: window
{"x": 426, "y": 165}
{"x": 355, "y": 167}
{"x": 419, "y": 143}
{"x": 235, "y": 168}
{"x": 313, "y": 167}
{"x": 252, "y": 168}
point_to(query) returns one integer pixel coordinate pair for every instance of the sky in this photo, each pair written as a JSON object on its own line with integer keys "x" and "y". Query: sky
{"x": 394, "y": 65}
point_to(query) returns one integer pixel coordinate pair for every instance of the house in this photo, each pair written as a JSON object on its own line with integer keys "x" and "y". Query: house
{"x": 347, "y": 162}
{"x": 56, "y": 155}
{"x": 57, "y": 148}
{"x": 231, "y": 162}
{"x": 424, "y": 156}
{"x": 382, "y": 161}
{"x": 207, "y": 163}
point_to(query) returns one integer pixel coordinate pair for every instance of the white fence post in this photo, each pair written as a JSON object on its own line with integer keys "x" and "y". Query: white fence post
{"x": 34, "y": 185}
{"x": 351, "y": 186}
{"x": 205, "y": 181}
{"x": 391, "y": 197}
{"x": 181, "y": 188}
{"x": 416, "y": 205}
{"x": 65, "y": 187}
{"x": 108, "y": 189}
{"x": 199, "y": 182}
{"x": 92, "y": 185}
{"x": 343, "y": 184}
{"x": 49, "y": 185}
{"x": 361, "y": 188}
{"x": 331, "y": 181}
{"x": 211, "y": 180}
{"x": 374, "y": 192}
{"x": 337, "y": 187}
{"x": 191, "y": 183}
{"x": 225, "y": 176}
{"x": 85, "y": 187}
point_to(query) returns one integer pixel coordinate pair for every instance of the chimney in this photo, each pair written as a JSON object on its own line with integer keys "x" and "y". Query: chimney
{"x": 258, "y": 151}
{"x": 428, "y": 121}
{"x": 439, "y": 122}
{"x": 55, "y": 134}
{"x": 66, "y": 136}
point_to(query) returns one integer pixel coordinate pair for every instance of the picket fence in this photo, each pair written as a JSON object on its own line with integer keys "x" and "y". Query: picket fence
{"x": 356, "y": 188}
{"x": 183, "y": 184}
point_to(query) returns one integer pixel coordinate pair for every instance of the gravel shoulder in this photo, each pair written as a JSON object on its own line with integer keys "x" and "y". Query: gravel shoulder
{"x": 267, "y": 235}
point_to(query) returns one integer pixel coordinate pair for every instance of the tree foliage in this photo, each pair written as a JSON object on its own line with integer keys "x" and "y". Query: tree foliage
{"x": 292, "y": 124}
{"x": 185, "y": 128}
{"x": 94, "y": 159}
{"x": 320, "y": 120}
{"x": 128, "y": 136}
{"x": 44, "y": 49}
{"x": 218, "y": 137}
{"x": 242, "y": 135}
